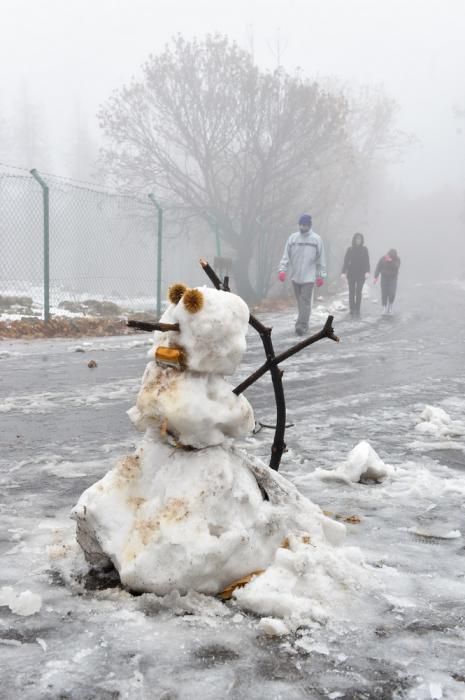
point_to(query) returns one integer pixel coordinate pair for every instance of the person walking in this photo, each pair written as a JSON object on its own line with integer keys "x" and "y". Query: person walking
{"x": 356, "y": 269}
{"x": 304, "y": 253}
{"x": 388, "y": 268}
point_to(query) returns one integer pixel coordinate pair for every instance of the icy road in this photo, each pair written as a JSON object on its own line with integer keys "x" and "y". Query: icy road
{"x": 63, "y": 425}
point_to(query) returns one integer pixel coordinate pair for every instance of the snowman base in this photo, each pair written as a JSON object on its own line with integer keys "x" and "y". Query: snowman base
{"x": 170, "y": 519}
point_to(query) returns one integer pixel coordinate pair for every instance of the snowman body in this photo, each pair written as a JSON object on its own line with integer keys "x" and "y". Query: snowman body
{"x": 187, "y": 510}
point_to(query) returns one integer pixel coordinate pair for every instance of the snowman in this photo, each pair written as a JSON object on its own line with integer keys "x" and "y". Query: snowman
{"x": 190, "y": 510}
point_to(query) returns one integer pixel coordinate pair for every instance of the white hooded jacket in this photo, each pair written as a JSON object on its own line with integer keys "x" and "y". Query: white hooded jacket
{"x": 305, "y": 254}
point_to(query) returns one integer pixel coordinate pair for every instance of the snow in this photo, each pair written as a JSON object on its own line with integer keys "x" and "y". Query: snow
{"x": 308, "y": 583}
{"x": 174, "y": 523}
{"x": 273, "y": 627}
{"x": 436, "y": 533}
{"x": 401, "y": 639}
{"x": 24, "y": 603}
{"x": 197, "y": 407}
{"x": 435, "y": 421}
{"x": 60, "y": 293}
{"x": 198, "y": 410}
{"x": 168, "y": 521}
{"x": 429, "y": 691}
{"x": 198, "y": 519}
{"x": 363, "y": 464}
{"x": 214, "y": 338}
{"x": 51, "y": 401}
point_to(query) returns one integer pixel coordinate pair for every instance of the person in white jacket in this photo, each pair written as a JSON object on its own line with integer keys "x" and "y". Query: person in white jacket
{"x": 304, "y": 252}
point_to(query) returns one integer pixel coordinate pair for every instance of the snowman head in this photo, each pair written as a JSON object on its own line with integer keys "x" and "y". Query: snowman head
{"x": 212, "y": 328}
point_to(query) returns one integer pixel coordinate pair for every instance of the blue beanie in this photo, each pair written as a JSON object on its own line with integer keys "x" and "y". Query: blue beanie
{"x": 305, "y": 220}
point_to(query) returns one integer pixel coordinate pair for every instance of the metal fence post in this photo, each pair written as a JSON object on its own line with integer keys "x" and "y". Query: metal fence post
{"x": 46, "y": 199}
{"x": 159, "y": 249}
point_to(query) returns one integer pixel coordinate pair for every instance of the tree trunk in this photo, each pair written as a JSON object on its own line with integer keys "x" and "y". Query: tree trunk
{"x": 241, "y": 276}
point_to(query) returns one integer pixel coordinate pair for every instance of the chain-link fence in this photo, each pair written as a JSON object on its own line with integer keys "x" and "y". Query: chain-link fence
{"x": 21, "y": 239}
{"x": 75, "y": 249}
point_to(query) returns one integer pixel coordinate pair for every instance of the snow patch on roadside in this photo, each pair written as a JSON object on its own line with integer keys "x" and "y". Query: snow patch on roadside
{"x": 362, "y": 465}
{"x": 24, "y": 604}
{"x": 437, "y": 423}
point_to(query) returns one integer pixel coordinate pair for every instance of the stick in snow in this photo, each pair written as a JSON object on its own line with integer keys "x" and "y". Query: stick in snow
{"x": 146, "y": 326}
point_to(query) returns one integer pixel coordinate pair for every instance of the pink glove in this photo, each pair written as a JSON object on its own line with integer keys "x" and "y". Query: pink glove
{"x": 282, "y": 276}
{"x": 319, "y": 281}
{"x": 375, "y": 279}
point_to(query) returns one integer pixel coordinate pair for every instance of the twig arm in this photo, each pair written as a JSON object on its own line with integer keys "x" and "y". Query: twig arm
{"x": 146, "y": 326}
{"x": 279, "y": 445}
{"x": 211, "y": 274}
{"x": 326, "y": 332}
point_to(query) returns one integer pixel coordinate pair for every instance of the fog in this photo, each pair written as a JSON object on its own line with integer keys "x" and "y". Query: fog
{"x": 60, "y": 61}
{"x": 145, "y": 159}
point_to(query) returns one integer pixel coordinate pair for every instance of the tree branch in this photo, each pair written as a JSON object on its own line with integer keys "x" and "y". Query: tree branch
{"x": 279, "y": 445}
{"x": 326, "y": 332}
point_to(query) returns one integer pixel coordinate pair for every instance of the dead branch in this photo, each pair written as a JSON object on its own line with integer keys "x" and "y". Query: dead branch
{"x": 326, "y": 332}
{"x": 146, "y": 326}
{"x": 279, "y": 445}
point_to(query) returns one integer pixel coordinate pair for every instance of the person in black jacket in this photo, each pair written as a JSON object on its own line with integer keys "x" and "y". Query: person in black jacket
{"x": 356, "y": 268}
{"x": 388, "y": 268}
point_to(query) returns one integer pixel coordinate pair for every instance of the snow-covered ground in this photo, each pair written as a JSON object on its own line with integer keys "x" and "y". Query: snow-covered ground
{"x": 398, "y": 384}
{"x": 60, "y": 295}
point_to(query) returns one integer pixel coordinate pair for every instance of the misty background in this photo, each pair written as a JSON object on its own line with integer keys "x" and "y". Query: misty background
{"x": 61, "y": 62}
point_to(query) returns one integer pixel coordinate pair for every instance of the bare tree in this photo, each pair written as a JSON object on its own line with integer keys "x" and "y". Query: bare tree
{"x": 352, "y": 181}
{"x": 339, "y": 186}
{"x": 221, "y": 140}
{"x": 82, "y": 153}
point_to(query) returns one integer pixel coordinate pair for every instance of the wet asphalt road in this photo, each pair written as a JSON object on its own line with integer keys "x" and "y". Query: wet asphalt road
{"x": 418, "y": 356}
{"x": 56, "y": 411}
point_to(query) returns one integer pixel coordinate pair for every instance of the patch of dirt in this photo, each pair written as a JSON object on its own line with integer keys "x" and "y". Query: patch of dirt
{"x": 129, "y": 467}
{"x": 59, "y": 327}
{"x": 145, "y": 529}
{"x": 99, "y": 319}
{"x": 99, "y": 580}
{"x": 213, "y": 654}
{"x": 136, "y": 501}
{"x": 175, "y": 509}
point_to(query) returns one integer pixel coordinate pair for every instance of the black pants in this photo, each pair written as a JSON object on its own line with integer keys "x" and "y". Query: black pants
{"x": 388, "y": 289}
{"x": 355, "y": 293}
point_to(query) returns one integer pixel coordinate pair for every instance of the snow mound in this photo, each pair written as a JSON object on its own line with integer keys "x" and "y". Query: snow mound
{"x": 25, "y": 603}
{"x": 436, "y": 422}
{"x": 363, "y": 465}
{"x": 273, "y": 627}
{"x": 436, "y": 532}
{"x": 172, "y": 526}
{"x": 306, "y": 583}
{"x": 170, "y": 523}
{"x": 321, "y": 311}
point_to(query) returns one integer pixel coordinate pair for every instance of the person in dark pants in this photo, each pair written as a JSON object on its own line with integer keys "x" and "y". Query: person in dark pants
{"x": 357, "y": 269}
{"x": 388, "y": 268}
